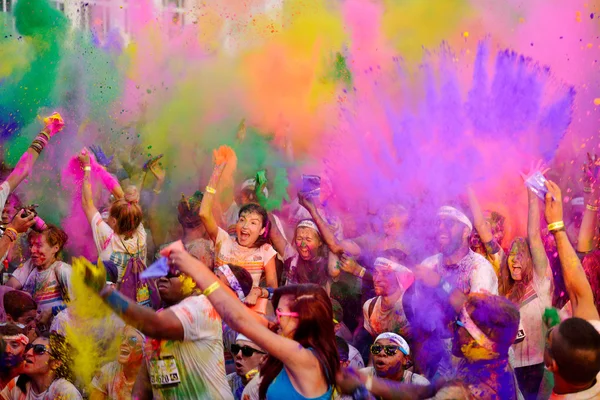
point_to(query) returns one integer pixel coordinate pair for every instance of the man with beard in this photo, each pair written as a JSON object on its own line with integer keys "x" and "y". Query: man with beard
{"x": 13, "y": 344}
{"x": 458, "y": 265}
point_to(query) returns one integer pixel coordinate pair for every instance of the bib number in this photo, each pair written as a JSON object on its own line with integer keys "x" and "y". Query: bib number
{"x": 164, "y": 372}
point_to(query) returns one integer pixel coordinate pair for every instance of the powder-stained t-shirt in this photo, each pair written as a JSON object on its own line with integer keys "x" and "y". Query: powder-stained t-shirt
{"x": 4, "y": 193}
{"x": 47, "y": 287}
{"x": 114, "y": 247}
{"x": 392, "y": 320}
{"x": 253, "y": 259}
{"x": 472, "y": 274}
{"x": 60, "y": 389}
{"x": 111, "y": 382}
{"x": 193, "y": 368}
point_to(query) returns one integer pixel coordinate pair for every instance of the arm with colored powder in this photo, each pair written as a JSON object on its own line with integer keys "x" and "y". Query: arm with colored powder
{"x": 206, "y": 208}
{"x": 142, "y": 389}
{"x": 87, "y": 199}
{"x": 348, "y": 381}
{"x": 591, "y": 198}
{"x": 300, "y": 362}
{"x": 483, "y": 227}
{"x": 158, "y": 233}
{"x": 576, "y": 283}
{"x": 52, "y": 125}
{"x": 20, "y": 225}
{"x": 328, "y": 236}
{"x": 534, "y": 237}
{"x": 279, "y": 242}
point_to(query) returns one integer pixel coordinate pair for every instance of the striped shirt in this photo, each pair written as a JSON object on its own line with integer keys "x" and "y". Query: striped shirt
{"x": 47, "y": 287}
{"x": 252, "y": 259}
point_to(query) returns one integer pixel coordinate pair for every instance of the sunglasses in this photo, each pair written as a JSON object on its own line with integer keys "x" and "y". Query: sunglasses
{"x": 247, "y": 351}
{"x": 38, "y": 349}
{"x": 286, "y": 314}
{"x": 130, "y": 340}
{"x": 389, "y": 349}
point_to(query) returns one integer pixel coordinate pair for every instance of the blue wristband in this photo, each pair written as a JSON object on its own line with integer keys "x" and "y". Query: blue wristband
{"x": 270, "y": 290}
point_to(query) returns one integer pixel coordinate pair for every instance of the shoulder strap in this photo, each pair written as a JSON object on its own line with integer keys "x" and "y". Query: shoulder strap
{"x": 372, "y": 306}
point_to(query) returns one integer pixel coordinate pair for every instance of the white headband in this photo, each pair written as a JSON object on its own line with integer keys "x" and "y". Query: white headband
{"x": 251, "y": 184}
{"x": 477, "y": 334}
{"x": 451, "y": 212}
{"x": 308, "y": 223}
{"x": 384, "y": 263}
{"x": 18, "y": 338}
{"x": 241, "y": 336}
{"x": 577, "y": 201}
{"x": 234, "y": 284}
{"x": 397, "y": 339}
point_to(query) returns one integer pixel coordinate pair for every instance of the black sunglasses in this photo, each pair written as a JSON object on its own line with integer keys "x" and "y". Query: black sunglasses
{"x": 247, "y": 351}
{"x": 38, "y": 349}
{"x": 389, "y": 349}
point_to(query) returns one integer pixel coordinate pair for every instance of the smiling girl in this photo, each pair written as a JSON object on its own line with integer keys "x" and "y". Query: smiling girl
{"x": 249, "y": 249}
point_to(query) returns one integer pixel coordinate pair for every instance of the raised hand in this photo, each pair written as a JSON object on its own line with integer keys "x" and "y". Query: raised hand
{"x": 533, "y": 168}
{"x": 94, "y": 276}
{"x": 84, "y": 157}
{"x": 591, "y": 170}
{"x": 101, "y": 157}
{"x": 53, "y": 124}
{"x": 554, "y": 208}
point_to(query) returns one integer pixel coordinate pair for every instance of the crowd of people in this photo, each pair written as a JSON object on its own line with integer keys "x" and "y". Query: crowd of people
{"x": 242, "y": 303}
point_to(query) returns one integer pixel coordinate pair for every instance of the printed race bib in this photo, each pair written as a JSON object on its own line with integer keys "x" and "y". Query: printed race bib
{"x": 520, "y": 334}
{"x": 164, "y": 372}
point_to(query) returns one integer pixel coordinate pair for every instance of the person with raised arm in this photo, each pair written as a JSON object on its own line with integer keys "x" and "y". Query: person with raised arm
{"x": 572, "y": 351}
{"x": 303, "y": 358}
{"x": 249, "y": 249}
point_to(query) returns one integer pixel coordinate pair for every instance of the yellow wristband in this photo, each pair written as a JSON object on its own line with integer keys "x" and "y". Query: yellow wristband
{"x": 591, "y": 207}
{"x": 12, "y": 230}
{"x": 555, "y": 226}
{"x": 211, "y": 190}
{"x": 87, "y": 168}
{"x": 209, "y": 290}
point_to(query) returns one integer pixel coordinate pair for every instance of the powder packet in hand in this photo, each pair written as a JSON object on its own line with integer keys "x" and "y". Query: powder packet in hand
{"x": 537, "y": 183}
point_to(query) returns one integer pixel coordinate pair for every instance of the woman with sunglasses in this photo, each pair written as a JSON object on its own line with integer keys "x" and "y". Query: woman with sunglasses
{"x": 248, "y": 359}
{"x": 115, "y": 380}
{"x": 46, "y": 374}
{"x": 390, "y": 360}
{"x": 303, "y": 358}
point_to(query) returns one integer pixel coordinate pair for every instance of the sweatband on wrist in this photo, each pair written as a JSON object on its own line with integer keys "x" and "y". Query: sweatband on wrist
{"x": 211, "y": 289}
{"x": 116, "y": 302}
{"x": 555, "y": 226}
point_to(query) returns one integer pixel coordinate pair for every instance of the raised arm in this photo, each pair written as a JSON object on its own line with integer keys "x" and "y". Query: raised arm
{"x": 277, "y": 239}
{"x": 534, "y": 237}
{"x": 52, "y": 125}
{"x": 17, "y": 226}
{"x": 299, "y": 361}
{"x": 591, "y": 197}
{"x": 328, "y": 236}
{"x": 483, "y": 227}
{"x": 159, "y": 234}
{"x": 206, "y": 208}
{"x": 87, "y": 199}
{"x": 576, "y": 283}
{"x": 349, "y": 382}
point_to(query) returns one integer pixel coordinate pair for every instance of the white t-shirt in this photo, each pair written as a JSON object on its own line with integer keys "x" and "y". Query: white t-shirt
{"x": 251, "y": 390}
{"x": 115, "y": 248}
{"x": 531, "y": 350}
{"x": 355, "y": 358}
{"x": 408, "y": 377}
{"x": 111, "y": 382}
{"x": 60, "y": 389}
{"x": 193, "y": 368}
{"x": 4, "y": 193}
{"x": 253, "y": 259}
{"x": 472, "y": 274}
{"x": 47, "y": 287}
{"x": 592, "y": 393}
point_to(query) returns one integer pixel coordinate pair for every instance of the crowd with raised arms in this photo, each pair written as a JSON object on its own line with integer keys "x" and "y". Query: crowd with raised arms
{"x": 237, "y": 302}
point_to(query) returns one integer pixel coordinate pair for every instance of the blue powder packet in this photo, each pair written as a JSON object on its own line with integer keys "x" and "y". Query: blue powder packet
{"x": 158, "y": 269}
{"x": 537, "y": 184}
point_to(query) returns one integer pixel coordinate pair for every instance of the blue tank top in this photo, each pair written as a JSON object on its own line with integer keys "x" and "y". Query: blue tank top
{"x": 282, "y": 388}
